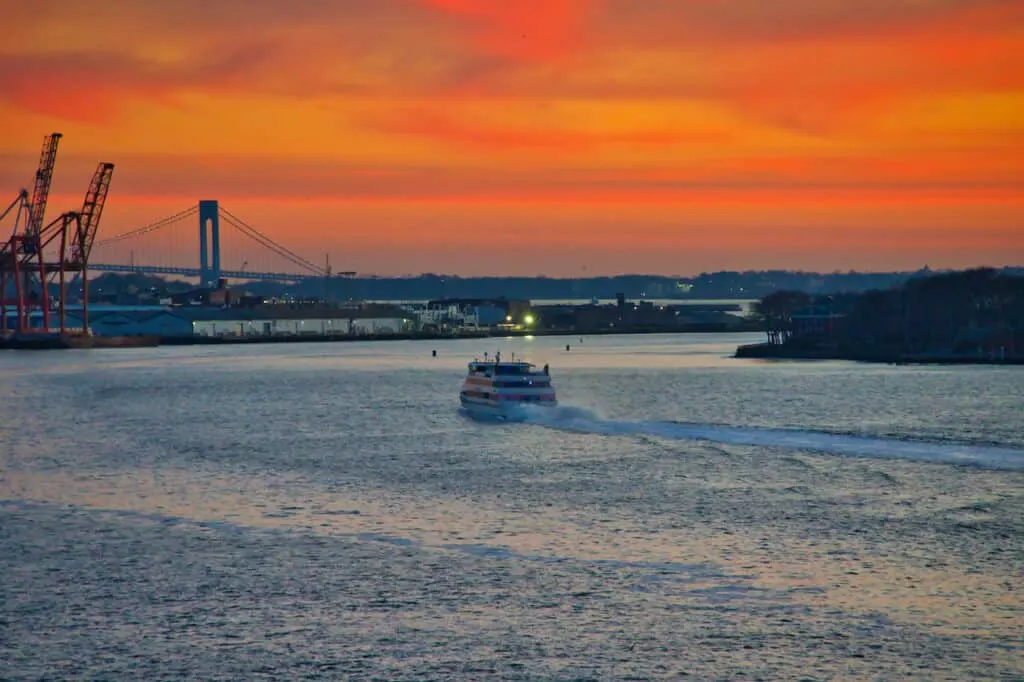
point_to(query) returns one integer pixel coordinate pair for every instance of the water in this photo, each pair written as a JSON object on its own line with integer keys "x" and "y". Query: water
{"x": 323, "y": 511}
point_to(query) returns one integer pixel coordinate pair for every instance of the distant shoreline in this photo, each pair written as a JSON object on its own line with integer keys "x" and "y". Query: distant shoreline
{"x": 344, "y": 338}
{"x": 126, "y": 342}
{"x": 768, "y": 351}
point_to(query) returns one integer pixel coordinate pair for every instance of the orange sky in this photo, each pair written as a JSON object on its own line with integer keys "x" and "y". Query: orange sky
{"x": 537, "y": 136}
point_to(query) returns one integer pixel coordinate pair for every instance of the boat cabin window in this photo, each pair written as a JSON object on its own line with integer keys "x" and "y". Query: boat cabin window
{"x": 501, "y": 369}
{"x": 511, "y": 369}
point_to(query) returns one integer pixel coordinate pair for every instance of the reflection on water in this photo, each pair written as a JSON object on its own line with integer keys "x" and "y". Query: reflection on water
{"x": 323, "y": 511}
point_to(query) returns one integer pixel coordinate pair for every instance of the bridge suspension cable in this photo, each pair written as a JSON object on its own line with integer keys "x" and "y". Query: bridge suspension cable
{"x": 152, "y": 227}
{"x": 267, "y": 242}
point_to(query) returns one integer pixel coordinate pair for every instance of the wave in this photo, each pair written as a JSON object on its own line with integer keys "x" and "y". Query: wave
{"x": 581, "y": 420}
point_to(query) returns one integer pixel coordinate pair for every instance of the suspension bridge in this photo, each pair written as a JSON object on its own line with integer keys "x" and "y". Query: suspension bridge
{"x": 229, "y": 248}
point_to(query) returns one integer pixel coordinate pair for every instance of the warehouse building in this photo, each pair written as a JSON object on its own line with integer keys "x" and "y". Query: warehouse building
{"x": 266, "y": 320}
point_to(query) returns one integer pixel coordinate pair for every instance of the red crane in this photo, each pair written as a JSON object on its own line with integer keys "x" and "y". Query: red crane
{"x": 19, "y": 249}
{"x": 71, "y": 235}
{"x": 87, "y": 224}
{"x": 44, "y": 176}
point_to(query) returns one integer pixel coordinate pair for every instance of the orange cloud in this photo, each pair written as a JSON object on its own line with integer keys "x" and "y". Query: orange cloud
{"x": 156, "y": 53}
{"x": 750, "y": 22}
{"x": 95, "y": 86}
{"x": 533, "y": 30}
{"x": 434, "y": 125}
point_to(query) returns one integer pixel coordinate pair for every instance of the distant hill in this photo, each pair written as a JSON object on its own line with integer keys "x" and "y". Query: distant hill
{"x": 715, "y": 285}
{"x": 751, "y": 284}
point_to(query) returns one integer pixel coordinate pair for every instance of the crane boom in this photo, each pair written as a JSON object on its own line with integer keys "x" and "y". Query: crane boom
{"x": 41, "y": 191}
{"x": 92, "y": 209}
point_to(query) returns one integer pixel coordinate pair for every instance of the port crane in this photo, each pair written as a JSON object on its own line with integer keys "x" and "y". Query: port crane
{"x": 44, "y": 177}
{"x": 21, "y": 248}
{"x": 87, "y": 224}
{"x": 30, "y": 254}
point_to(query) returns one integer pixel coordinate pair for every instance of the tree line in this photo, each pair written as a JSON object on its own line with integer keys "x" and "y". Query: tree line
{"x": 968, "y": 312}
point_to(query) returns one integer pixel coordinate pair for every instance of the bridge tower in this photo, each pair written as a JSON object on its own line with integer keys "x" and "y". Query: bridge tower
{"x": 209, "y": 243}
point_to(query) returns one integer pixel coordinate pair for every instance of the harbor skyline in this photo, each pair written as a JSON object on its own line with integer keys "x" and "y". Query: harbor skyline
{"x": 569, "y": 138}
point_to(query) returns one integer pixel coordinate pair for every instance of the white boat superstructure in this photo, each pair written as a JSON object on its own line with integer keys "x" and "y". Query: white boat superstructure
{"x": 497, "y": 388}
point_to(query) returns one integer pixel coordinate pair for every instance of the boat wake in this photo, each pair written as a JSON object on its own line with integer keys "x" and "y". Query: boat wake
{"x": 581, "y": 420}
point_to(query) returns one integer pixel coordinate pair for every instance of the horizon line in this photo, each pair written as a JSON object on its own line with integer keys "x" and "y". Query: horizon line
{"x": 435, "y": 275}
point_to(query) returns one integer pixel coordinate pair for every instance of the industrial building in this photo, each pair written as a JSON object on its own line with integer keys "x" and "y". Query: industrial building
{"x": 296, "y": 320}
{"x": 271, "y": 320}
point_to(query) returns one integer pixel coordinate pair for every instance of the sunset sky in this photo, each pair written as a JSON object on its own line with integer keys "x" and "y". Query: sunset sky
{"x": 525, "y": 137}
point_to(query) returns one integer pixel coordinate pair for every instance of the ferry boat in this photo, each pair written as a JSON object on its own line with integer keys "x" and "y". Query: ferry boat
{"x": 499, "y": 389}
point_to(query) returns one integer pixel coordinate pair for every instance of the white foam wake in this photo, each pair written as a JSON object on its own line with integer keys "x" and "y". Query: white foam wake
{"x": 585, "y": 421}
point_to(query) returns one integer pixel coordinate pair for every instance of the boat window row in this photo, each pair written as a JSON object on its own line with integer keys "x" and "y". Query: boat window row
{"x": 538, "y": 381}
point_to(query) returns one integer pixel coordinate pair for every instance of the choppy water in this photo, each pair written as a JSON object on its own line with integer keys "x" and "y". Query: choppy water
{"x": 324, "y": 512}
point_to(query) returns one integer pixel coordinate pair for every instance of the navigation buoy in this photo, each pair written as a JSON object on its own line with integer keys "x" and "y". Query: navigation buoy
{"x": 434, "y": 353}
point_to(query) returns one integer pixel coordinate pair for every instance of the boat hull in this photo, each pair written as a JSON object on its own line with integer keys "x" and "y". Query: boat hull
{"x": 508, "y": 411}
